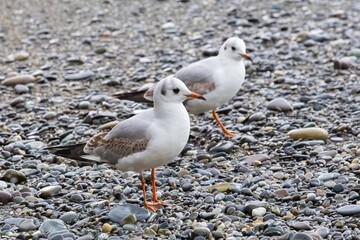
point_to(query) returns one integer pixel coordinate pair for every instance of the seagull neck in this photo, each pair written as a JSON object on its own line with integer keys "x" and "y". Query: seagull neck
{"x": 225, "y": 58}
{"x": 168, "y": 109}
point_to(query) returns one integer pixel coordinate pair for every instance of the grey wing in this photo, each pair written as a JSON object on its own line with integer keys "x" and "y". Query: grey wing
{"x": 198, "y": 76}
{"x": 126, "y": 138}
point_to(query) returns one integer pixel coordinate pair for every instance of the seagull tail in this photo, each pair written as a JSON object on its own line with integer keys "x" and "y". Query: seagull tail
{"x": 136, "y": 96}
{"x": 74, "y": 151}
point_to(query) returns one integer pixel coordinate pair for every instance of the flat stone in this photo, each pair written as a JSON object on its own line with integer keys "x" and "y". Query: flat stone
{"x": 280, "y": 105}
{"x": 225, "y": 146}
{"x": 328, "y": 176}
{"x": 281, "y": 193}
{"x": 349, "y": 210}
{"x": 221, "y": 187}
{"x": 256, "y": 157}
{"x": 49, "y": 191}
{"x": 20, "y": 79}
{"x": 309, "y": 133}
{"x": 119, "y": 213}
{"x": 50, "y": 226}
{"x": 83, "y": 75}
{"x": 301, "y": 226}
{"x": 35, "y": 145}
{"x": 5, "y": 197}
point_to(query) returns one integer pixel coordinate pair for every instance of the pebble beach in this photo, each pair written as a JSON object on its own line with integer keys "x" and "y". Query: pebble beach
{"x": 291, "y": 173}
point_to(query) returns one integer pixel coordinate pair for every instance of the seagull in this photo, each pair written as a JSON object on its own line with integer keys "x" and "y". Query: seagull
{"x": 147, "y": 140}
{"x": 217, "y": 78}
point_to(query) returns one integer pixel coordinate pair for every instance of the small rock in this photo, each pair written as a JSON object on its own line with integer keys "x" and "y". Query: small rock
{"x": 13, "y": 176}
{"x": 3, "y": 185}
{"x": 129, "y": 227}
{"x": 83, "y": 75}
{"x": 29, "y": 224}
{"x": 345, "y": 62}
{"x": 50, "y": 226}
{"x": 21, "y": 56}
{"x": 130, "y": 219}
{"x": 258, "y": 212}
{"x": 323, "y": 231}
{"x": 20, "y": 79}
{"x": 50, "y": 115}
{"x": 256, "y": 157}
{"x": 249, "y": 206}
{"x": 309, "y": 133}
{"x": 5, "y": 197}
{"x": 201, "y": 231}
{"x": 49, "y": 191}
{"x": 149, "y": 232}
{"x": 349, "y": 210}
{"x": 327, "y": 176}
{"x": 279, "y": 104}
{"x": 70, "y": 217}
{"x": 20, "y": 89}
{"x": 338, "y": 188}
{"x": 225, "y": 146}
{"x": 221, "y": 187}
{"x": 117, "y": 214}
{"x": 301, "y": 226}
{"x": 281, "y": 193}
{"x": 273, "y": 231}
{"x": 106, "y": 228}
{"x": 301, "y": 236}
{"x": 168, "y": 25}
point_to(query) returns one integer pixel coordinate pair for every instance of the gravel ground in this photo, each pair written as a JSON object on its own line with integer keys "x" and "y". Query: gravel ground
{"x": 275, "y": 180}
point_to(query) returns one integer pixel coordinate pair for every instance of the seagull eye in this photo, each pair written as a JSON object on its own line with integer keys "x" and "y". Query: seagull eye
{"x": 176, "y": 90}
{"x": 233, "y": 48}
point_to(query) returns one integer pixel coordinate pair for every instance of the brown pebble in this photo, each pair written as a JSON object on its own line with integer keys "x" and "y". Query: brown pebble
{"x": 106, "y": 228}
{"x": 21, "y": 79}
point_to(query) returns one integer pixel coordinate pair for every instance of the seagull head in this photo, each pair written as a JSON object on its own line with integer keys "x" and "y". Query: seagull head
{"x": 234, "y": 48}
{"x": 171, "y": 89}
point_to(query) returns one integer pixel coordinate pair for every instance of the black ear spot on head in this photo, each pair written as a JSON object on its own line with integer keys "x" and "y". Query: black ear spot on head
{"x": 176, "y": 90}
{"x": 163, "y": 90}
{"x": 224, "y": 48}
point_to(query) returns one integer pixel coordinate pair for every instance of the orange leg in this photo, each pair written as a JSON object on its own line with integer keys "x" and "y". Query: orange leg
{"x": 223, "y": 129}
{"x": 156, "y": 201}
{"x": 146, "y": 204}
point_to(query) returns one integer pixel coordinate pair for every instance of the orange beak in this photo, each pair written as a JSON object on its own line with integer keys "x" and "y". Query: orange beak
{"x": 244, "y": 55}
{"x": 195, "y": 95}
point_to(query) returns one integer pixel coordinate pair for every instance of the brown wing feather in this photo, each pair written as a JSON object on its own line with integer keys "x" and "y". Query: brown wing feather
{"x": 202, "y": 87}
{"x": 111, "y": 150}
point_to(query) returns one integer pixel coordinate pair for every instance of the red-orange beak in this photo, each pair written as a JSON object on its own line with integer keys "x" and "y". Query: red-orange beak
{"x": 195, "y": 95}
{"x": 246, "y": 56}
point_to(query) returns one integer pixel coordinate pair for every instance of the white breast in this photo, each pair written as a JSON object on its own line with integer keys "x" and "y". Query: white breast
{"x": 228, "y": 81}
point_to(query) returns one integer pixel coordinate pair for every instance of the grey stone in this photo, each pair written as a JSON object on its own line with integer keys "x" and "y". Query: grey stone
{"x": 349, "y": 210}
{"x": 119, "y": 213}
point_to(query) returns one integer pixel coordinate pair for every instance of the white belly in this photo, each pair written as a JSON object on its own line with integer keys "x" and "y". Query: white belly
{"x": 226, "y": 88}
